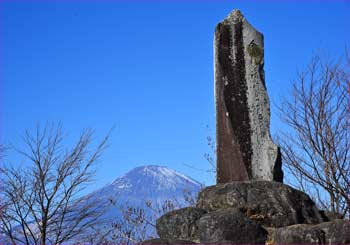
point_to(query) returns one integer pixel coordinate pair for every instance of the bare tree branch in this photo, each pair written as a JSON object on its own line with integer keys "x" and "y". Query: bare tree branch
{"x": 41, "y": 204}
{"x": 316, "y": 144}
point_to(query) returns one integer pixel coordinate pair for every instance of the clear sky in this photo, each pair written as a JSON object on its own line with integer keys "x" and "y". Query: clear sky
{"x": 145, "y": 67}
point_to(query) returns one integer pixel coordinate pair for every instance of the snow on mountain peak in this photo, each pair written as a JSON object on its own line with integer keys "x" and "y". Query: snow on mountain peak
{"x": 161, "y": 175}
{"x": 143, "y": 186}
{"x": 151, "y": 182}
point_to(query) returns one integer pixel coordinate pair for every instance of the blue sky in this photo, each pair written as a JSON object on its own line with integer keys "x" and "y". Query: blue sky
{"x": 145, "y": 67}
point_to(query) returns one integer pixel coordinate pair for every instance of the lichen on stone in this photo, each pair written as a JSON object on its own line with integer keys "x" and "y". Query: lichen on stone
{"x": 255, "y": 52}
{"x": 235, "y": 16}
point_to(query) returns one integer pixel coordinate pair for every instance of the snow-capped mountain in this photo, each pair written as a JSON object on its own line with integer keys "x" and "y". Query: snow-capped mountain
{"x": 142, "y": 186}
{"x": 152, "y": 184}
{"x": 149, "y": 183}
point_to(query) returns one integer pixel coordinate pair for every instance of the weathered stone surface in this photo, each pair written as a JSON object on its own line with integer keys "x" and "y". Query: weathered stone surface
{"x": 334, "y": 232}
{"x": 180, "y": 224}
{"x": 245, "y": 150}
{"x": 269, "y": 203}
{"x": 230, "y": 226}
{"x": 298, "y": 234}
{"x": 165, "y": 241}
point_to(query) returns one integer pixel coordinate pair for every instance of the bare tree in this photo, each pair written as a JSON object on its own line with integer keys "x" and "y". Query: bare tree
{"x": 316, "y": 144}
{"x": 41, "y": 203}
{"x": 137, "y": 223}
{"x": 209, "y": 156}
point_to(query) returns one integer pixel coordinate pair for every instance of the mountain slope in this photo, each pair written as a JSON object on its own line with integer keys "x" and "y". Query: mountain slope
{"x": 154, "y": 183}
{"x": 146, "y": 184}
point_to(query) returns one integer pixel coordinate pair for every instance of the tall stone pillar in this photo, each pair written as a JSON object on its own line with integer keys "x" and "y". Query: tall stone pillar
{"x": 245, "y": 150}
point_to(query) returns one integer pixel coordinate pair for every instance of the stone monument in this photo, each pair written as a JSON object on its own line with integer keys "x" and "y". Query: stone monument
{"x": 245, "y": 150}
{"x": 254, "y": 208}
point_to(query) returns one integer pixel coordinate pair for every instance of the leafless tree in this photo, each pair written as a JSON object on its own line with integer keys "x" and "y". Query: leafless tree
{"x": 137, "y": 223}
{"x": 316, "y": 144}
{"x": 41, "y": 203}
{"x": 209, "y": 156}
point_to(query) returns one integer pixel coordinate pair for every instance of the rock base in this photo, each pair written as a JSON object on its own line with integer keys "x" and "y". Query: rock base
{"x": 250, "y": 212}
{"x": 270, "y": 203}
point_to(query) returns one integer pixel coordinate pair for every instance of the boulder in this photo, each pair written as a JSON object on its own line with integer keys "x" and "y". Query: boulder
{"x": 334, "y": 232}
{"x": 270, "y": 203}
{"x": 181, "y": 224}
{"x": 165, "y": 241}
{"x": 230, "y": 226}
{"x": 297, "y": 234}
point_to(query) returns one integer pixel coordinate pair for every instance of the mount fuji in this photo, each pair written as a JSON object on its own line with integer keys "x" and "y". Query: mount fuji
{"x": 149, "y": 188}
{"x": 145, "y": 188}
{"x": 149, "y": 183}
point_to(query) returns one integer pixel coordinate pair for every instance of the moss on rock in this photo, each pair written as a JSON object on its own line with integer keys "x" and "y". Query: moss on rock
{"x": 256, "y": 53}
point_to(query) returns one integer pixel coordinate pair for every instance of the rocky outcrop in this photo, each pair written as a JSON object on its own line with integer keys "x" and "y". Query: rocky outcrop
{"x": 227, "y": 226}
{"x": 334, "y": 232}
{"x": 270, "y": 203}
{"x": 245, "y": 150}
{"x": 165, "y": 241}
{"x": 250, "y": 212}
{"x": 181, "y": 224}
{"x": 297, "y": 234}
